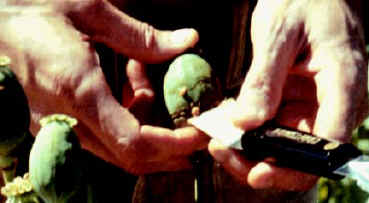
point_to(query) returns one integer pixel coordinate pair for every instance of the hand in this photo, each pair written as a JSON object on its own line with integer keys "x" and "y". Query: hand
{"x": 309, "y": 72}
{"x": 51, "y": 47}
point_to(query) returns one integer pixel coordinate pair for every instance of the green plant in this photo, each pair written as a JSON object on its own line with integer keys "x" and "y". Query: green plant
{"x": 20, "y": 190}
{"x": 55, "y": 164}
{"x": 190, "y": 87}
{"x": 346, "y": 190}
{"x": 15, "y": 120}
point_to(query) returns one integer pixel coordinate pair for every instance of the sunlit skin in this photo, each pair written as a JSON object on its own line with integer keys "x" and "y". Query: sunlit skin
{"x": 309, "y": 72}
{"x": 50, "y": 44}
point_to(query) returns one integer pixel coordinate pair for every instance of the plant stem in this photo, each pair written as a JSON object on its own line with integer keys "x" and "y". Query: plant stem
{"x": 8, "y": 172}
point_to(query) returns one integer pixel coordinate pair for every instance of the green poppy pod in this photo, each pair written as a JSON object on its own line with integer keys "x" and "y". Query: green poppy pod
{"x": 190, "y": 88}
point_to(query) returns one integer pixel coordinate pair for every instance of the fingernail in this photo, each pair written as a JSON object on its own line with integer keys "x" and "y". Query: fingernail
{"x": 248, "y": 119}
{"x": 262, "y": 176}
{"x": 184, "y": 36}
{"x": 216, "y": 145}
{"x": 218, "y": 150}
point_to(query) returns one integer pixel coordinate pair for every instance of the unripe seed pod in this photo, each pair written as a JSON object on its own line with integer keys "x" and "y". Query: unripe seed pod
{"x": 55, "y": 164}
{"x": 16, "y": 115}
{"x": 190, "y": 88}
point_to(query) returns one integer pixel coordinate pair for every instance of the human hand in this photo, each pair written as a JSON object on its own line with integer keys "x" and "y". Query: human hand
{"x": 51, "y": 47}
{"x": 309, "y": 72}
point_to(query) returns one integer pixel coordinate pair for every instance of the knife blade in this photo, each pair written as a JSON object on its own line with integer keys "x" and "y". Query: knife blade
{"x": 287, "y": 147}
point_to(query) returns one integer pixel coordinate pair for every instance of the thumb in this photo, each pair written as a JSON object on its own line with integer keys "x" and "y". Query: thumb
{"x": 276, "y": 45}
{"x": 105, "y": 23}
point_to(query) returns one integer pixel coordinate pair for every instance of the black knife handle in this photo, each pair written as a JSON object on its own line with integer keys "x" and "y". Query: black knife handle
{"x": 297, "y": 150}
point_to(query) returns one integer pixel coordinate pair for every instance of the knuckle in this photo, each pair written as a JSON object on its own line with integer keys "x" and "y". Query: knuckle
{"x": 147, "y": 36}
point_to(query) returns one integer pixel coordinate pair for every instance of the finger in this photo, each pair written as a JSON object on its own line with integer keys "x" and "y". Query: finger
{"x": 138, "y": 40}
{"x": 135, "y": 149}
{"x": 231, "y": 160}
{"x": 342, "y": 79}
{"x": 342, "y": 93}
{"x": 136, "y": 73}
{"x": 182, "y": 141}
{"x": 91, "y": 101}
{"x": 275, "y": 47}
{"x": 143, "y": 94}
{"x": 69, "y": 80}
{"x": 120, "y": 132}
{"x": 265, "y": 175}
{"x": 260, "y": 175}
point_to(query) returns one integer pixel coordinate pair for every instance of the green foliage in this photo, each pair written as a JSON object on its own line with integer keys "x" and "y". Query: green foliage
{"x": 26, "y": 198}
{"x": 346, "y": 190}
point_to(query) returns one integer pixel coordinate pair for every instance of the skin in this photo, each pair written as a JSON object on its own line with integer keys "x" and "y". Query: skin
{"x": 51, "y": 47}
{"x": 309, "y": 72}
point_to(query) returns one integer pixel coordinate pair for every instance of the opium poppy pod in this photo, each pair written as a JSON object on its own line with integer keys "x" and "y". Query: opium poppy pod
{"x": 190, "y": 87}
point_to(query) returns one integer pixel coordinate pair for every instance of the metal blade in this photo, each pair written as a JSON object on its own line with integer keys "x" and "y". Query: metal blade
{"x": 218, "y": 124}
{"x": 357, "y": 169}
